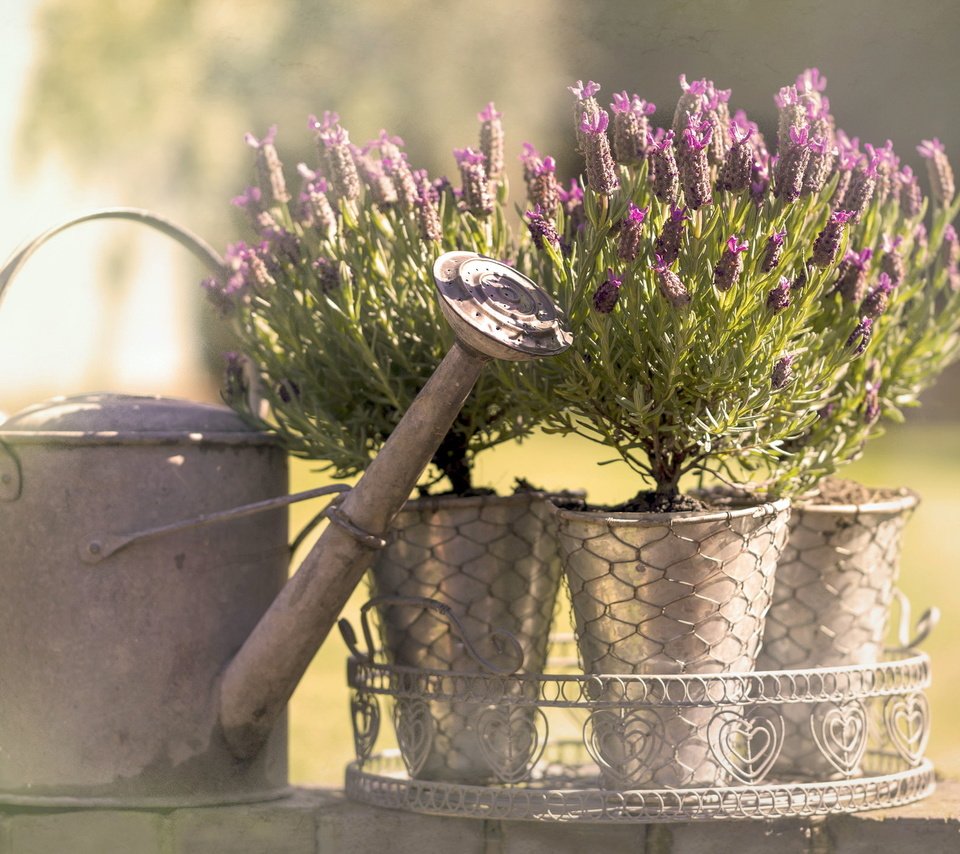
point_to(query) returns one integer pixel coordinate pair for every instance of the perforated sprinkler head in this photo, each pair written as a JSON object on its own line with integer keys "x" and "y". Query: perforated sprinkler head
{"x": 496, "y": 311}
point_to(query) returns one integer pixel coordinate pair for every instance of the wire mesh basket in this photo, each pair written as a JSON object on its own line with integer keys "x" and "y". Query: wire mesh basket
{"x": 556, "y": 744}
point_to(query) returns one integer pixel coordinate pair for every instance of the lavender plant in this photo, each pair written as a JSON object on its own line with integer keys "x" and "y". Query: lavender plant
{"x": 333, "y": 298}
{"x": 737, "y": 313}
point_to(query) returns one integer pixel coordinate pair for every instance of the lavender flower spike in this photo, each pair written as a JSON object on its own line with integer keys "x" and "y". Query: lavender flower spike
{"x": 670, "y": 285}
{"x": 601, "y": 171}
{"x": 491, "y": 141}
{"x": 782, "y": 372}
{"x": 939, "y": 170}
{"x": 607, "y": 294}
{"x": 792, "y": 165}
{"x": 473, "y": 176}
{"x": 773, "y": 251}
{"x": 542, "y": 228}
{"x": 730, "y": 266}
{"x": 630, "y": 127}
{"x": 827, "y": 244}
{"x": 693, "y": 164}
{"x": 585, "y": 108}
{"x": 878, "y": 298}
{"x": 340, "y": 166}
{"x": 667, "y": 246}
{"x": 739, "y": 161}
{"x": 665, "y": 173}
{"x": 269, "y": 168}
{"x": 860, "y": 337}
{"x": 779, "y": 297}
{"x": 628, "y": 248}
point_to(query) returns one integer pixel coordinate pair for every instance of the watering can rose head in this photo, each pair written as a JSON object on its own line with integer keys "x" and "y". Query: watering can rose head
{"x": 332, "y": 296}
{"x": 743, "y": 308}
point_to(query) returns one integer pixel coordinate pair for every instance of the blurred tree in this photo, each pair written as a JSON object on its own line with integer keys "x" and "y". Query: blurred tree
{"x": 153, "y": 97}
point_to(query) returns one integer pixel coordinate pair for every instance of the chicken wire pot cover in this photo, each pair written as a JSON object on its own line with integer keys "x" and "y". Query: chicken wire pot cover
{"x": 831, "y": 603}
{"x": 547, "y": 776}
{"x": 667, "y": 593}
{"x": 493, "y": 561}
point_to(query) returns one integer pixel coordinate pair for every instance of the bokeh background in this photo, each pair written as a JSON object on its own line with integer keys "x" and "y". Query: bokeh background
{"x": 144, "y": 103}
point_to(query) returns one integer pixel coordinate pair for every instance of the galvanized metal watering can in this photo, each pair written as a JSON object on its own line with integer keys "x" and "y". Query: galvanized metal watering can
{"x": 149, "y": 637}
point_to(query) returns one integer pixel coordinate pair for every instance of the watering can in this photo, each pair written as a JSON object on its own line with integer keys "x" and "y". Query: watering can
{"x": 149, "y": 636}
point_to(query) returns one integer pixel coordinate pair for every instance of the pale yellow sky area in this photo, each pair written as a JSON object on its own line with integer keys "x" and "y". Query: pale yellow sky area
{"x": 59, "y": 333}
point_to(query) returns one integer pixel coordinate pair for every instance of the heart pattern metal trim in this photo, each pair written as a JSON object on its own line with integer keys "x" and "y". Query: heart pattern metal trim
{"x": 365, "y": 717}
{"x": 511, "y": 739}
{"x": 623, "y": 744}
{"x": 415, "y": 729}
{"x": 840, "y": 731}
{"x": 907, "y": 720}
{"x": 746, "y": 746}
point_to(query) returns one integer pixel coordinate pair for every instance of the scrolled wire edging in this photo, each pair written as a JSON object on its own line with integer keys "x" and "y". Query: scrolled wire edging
{"x": 569, "y": 796}
{"x": 910, "y": 672}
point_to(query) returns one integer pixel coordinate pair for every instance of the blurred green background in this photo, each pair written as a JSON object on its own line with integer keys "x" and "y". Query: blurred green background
{"x": 145, "y": 103}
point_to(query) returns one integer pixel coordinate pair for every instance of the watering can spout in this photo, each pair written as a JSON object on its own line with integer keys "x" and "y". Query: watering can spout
{"x": 495, "y": 313}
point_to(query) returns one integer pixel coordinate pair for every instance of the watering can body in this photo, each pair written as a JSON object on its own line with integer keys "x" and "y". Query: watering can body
{"x": 146, "y": 656}
{"x": 109, "y": 670}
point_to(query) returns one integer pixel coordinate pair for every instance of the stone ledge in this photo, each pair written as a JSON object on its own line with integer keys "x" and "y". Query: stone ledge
{"x": 322, "y": 821}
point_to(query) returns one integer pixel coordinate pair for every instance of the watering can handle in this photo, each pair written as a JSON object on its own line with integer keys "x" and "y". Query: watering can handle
{"x": 99, "y": 547}
{"x": 185, "y": 238}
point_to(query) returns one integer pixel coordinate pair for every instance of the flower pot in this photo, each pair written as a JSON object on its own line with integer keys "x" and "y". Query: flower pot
{"x": 493, "y": 562}
{"x": 831, "y": 602}
{"x": 667, "y": 593}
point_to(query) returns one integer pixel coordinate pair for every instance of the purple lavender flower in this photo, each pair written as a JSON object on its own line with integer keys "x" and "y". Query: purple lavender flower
{"x": 668, "y": 242}
{"x": 863, "y": 185}
{"x": 792, "y": 114}
{"x": 382, "y": 190}
{"x": 607, "y": 293}
{"x": 852, "y": 275}
{"x": 630, "y": 127}
{"x": 773, "y": 251}
{"x": 860, "y": 337}
{"x": 938, "y": 170}
{"x": 601, "y": 172}
{"x": 692, "y": 100}
{"x": 819, "y": 163}
{"x": 544, "y": 189}
{"x": 473, "y": 177}
{"x": 730, "y": 266}
{"x": 738, "y": 164}
{"x": 269, "y": 168}
{"x": 792, "y": 165}
{"x": 542, "y": 228}
{"x": 340, "y": 166}
{"x": 779, "y": 297}
{"x": 631, "y": 230}
{"x": 491, "y": 141}
{"x": 693, "y": 164}
{"x": 665, "y": 173}
{"x": 315, "y": 210}
{"x": 950, "y": 248}
{"x": 428, "y": 218}
{"x": 878, "y": 298}
{"x": 585, "y": 108}
{"x": 827, "y": 244}
{"x": 782, "y": 372}
{"x": 911, "y": 197}
{"x": 673, "y": 290}
{"x": 891, "y": 261}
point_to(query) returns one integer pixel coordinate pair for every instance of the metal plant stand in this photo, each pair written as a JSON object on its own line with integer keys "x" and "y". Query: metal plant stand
{"x": 555, "y": 742}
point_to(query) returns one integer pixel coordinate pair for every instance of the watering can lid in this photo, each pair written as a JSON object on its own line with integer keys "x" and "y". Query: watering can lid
{"x": 124, "y": 418}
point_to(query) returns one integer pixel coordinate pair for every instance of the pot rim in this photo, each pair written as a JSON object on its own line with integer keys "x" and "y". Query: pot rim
{"x": 903, "y": 499}
{"x": 623, "y": 519}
